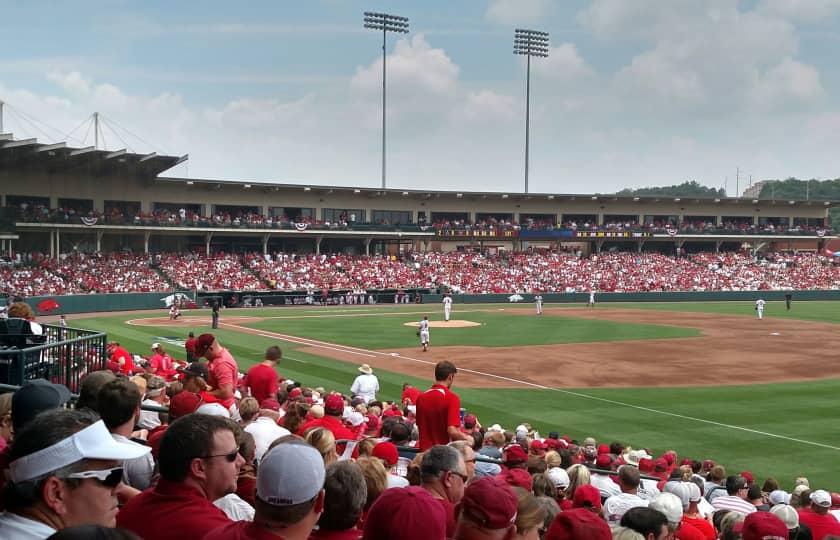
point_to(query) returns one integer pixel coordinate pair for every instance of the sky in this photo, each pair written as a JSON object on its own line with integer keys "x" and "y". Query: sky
{"x": 634, "y": 93}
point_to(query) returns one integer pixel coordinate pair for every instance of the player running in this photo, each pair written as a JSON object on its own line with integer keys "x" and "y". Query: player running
{"x": 759, "y": 308}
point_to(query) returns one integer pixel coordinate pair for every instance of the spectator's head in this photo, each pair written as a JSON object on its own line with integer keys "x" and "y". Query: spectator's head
{"x": 400, "y": 433}
{"x": 469, "y": 456}
{"x": 273, "y": 354}
{"x": 737, "y": 486}
{"x": 21, "y": 310}
{"x": 530, "y": 514}
{"x": 290, "y": 489}
{"x": 410, "y": 513}
{"x": 488, "y": 510}
{"x": 788, "y": 514}
{"x": 36, "y": 396}
{"x": 443, "y": 472}
{"x": 323, "y": 441}
{"x": 202, "y": 450}
{"x": 345, "y": 495}
{"x": 587, "y": 496}
{"x": 543, "y": 486}
{"x": 64, "y": 469}
{"x": 119, "y": 404}
{"x": 89, "y": 389}
{"x": 6, "y": 417}
{"x": 671, "y": 506}
{"x": 249, "y": 409}
{"x": 247, "y": 447}
{"x": 334, "y": 405}
{"x": 445, "y": 372}
{"x": 578, "y": 523}
{"x": 387, "y": 452}
{"x": 717, "y": 474}
{"x": 182, "y": 404}
{"x": 650, "y": 523}
{"x": 376, "y": 478}
{"x": 762, "y": 525}
{"x": 820, "y": 501}
{"x": 207, "y": 346}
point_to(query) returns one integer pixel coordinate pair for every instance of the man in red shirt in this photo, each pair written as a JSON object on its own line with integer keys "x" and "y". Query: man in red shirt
{"x": 817, "y": 518}
{"x": 262, "y": 378}
{"x": 199, "y": 463}
{"x": 410, "y": 394}
{"x": 189, "y": 347}
{"x": 439, "y": 410}
{"x": 120, "y": 359}
{"x": 161, "y": 363}
{"x": 333, "y": 409}
{"x": 224, "y": 373}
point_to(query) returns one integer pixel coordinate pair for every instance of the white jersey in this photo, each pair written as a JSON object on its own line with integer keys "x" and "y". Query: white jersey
{"x": 424, "y": 325}
{"x": 759, "y": 304}
{"x": 447, "y": 302}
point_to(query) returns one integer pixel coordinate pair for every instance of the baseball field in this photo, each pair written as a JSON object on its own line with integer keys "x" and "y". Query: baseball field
{"x": 708, "y": 380}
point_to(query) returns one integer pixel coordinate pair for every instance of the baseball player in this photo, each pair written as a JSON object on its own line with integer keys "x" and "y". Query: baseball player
{"x": 424, "y": 333}
{"x": 174, "y": 312}
{"x": 447, "y": 306}
{"x": 591, "y": 298}
{"x": 759, "y": 308}
{"x": 538, "y": 303}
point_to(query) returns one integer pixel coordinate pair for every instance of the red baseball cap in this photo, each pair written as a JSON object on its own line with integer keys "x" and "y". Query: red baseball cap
{"x": 763, "y": 525}
{"x": 387, "y": 452}
{"x": 295, "y": 393}
{"x": 646, "y": 465}
{"x": 470, "y": 419}
{"x": 515, "y": 454}
{"x": 748, "y": 476}
{"x": 409, "y": 513}
{"x": 203, "y": 343}
{"x": 537, "y": 447}
{"x": 603, "y": 449}
{"x": 660, "y": 464}
{"x": 517, "y": 477}
{"x": 334, "y": 404}
{"x": 270, "y": 403}
{"x": 835, "y": 500}
{"x": 489, "y": 503}
{"x": 603, "y": 461}
{"x": 587, "y": 495}
{"x": 576, "y": 524}
{"x": 183, "y": 403}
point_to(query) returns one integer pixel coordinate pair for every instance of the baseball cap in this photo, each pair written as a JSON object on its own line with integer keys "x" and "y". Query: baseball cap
{"x": 387, "y": 452}
{"x": 295, "y": 393}
{"x": 578, "y": 523}
{"x": 694, "y": 494}
{"x": 196, "y": 369}
{"x": 496, "y": 427}
{"x": 786, "y": 513}
{"x": 515, "y": 454}
{"x": 762, "y": 526}
{"x": 589, "y": 441}
{"x": 155, "y": 345}
{"x": 835, "y": 499}
{"x": 517, "y": 477}
{"x": 470, "y": 420}
{"x": 537, "y": 446}
{"x": 409, "y": 513}
{"x": 290, "y": 474}
{"x": 213, "y": 409}
{"x": 183, "y": 403}
{"x": 603, "y": 461}
{"x": 355, "y": 419}
{"x": 779, "y": 496}
{"x": 489, "y": 503}
{"x": 92, "y": 442}
{"x": 559, "y": 477}
{"x": 35, "y": 396}
{"x": 155, "y": 386}
{"x": 821, "y": 497}
{"x": 670, "y": 505}
{"x": 203, "y": 343}
{"x": 748, "y": 476}
{"x": 334, "y": 404}
{"x": 270, "y": 403}
{"x": 800, "y": 488}
{"x": 681, "y": 490}
{"x": 587, "y": 495}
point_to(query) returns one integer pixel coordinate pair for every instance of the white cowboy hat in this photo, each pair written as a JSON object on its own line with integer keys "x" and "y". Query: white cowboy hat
{"x": 364, "y": 368}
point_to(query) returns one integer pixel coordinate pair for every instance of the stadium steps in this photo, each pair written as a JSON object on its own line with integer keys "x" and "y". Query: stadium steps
{"x": 250, "y": 270}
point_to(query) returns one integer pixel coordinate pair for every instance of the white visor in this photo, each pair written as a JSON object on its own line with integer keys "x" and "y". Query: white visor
{"x": 93, "y": 442}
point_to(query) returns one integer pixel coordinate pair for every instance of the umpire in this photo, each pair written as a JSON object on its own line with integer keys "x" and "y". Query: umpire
{"x": 788, "y": 298}
{"x": 215, "y": 313}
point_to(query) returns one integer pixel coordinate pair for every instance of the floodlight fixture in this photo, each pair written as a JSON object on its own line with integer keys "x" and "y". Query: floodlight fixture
{"x": 529, "y": 43}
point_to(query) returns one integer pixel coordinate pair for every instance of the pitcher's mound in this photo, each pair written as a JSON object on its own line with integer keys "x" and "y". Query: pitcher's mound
{"x": 444, "y": 324}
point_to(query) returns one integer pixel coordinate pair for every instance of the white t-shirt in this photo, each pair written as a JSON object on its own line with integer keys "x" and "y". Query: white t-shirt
{"x": 365, "y": 386}
{"x": 265, "y": 431}
{"x": 235, "y": 508}
{"x": 605, "y": 485}
{"x": 137, "y": 472}
{"x": 616, "y": 506}
{"x": 149, "y": 419}
{"x": 15, "y": 527}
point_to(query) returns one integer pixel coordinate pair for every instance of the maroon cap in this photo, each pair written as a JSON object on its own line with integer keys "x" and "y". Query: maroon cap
{"x": 670, "y": 456}
{"x": 537, "y": 447}
{"x": 577, "y": 524}
{"x": 708, "y": 464}
{"x": 748, "y": 476}
{"x": 587, "y": 495}
{"x": 295, "y": 393}
{"x": 387, "y": 452}
{"x": 409, "y": 513}
{"x": 470, "y": 420}
{"x": 646, "y": 465}
{"x": 489, "y": 503}
{"x": 334, "y": 404}
{"x": 270, "y": 403}
{"x": 603, "y": 449}
{"x": 515, "y": 454}
{"x": 203, "y": 343}
{"x": 764, "y": 526}
{"x": 686, "y": 461}
{"x": 517, "y": 477}
{"x": 603, "y": 461}
{"x": 660, "y": 464}
{"x": 182, "y": 404}
{"x": 835, "y": 500}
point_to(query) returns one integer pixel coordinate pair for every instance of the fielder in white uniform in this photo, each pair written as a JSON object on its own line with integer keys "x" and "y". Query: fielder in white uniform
{"x": 591, "y": 299}
{"x": 424, "y": 333}
{"x": 538, "y": 303}
{"x": 759, "y": 308}
{"x": 447, "y": 307}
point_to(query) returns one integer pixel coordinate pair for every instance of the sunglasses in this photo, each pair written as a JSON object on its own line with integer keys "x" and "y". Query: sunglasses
{"x": 107, "y": 477}
{"x": 230, "y": 457}
{"x": 464, "y": 477}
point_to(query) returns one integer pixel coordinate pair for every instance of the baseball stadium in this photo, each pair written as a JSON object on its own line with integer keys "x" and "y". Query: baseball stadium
{"x": 689, "y": 338}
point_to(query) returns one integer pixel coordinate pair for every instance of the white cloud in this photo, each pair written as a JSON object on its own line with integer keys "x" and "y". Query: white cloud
{"x": 801, "y": 10}
{"x": 489, "y": 105}
{"x": 788, "y": 80}
{"x": 512, "y": 12}
{"x": 564, "y": 64}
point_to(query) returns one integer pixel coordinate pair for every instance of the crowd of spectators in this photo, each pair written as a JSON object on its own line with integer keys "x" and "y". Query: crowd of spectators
{"x": 310, "y": 463}
{"x": 460, "y": 271}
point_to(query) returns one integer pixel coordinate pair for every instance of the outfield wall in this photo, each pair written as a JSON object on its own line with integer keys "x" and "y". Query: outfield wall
{"x": 93, "y": 303}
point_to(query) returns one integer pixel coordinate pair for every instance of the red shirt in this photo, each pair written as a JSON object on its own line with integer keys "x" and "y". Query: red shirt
{"x": 821, "y": 525}
{"x": 223, "y": 370}
{"x": 451, "y": 521}
{"x": 438, "y": 408}
{"x": 331, "y": 423}
{"x": 688, "y": 532}
{"x": 170, "y": 511}
{"x": 702, "y": 525}
{"x": 189, "y": 346}
{"x": 239, "y": 530}
{"x": 128, "y": 366}
{"x": 346, "y": 534}
{"x": 411, "y": 393}
{"x": 263, "y": 382}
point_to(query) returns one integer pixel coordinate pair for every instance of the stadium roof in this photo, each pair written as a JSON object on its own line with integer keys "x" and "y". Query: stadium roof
{"x": 30, "y": 155}
{"x": 481, "y": 195}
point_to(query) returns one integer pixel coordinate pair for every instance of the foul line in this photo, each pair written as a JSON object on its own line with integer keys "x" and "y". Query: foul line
{"x": 379, "y": 314}
{"x": 302, "y": 341}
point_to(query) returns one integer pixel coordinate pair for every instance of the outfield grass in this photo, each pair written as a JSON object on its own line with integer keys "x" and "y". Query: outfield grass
{"x": 784, "y": 430}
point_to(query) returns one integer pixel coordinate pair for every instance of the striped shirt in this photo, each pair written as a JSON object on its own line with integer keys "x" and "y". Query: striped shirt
{"x": 734, "y": 503}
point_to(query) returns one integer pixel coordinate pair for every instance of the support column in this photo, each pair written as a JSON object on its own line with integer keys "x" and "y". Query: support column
{"x": 207, "y": 238}
{"x": 99, "y": 241}
{"x": 318, "y": 244}
{"x": 367, "y": 246}
{"x": 639, "y": 246}
{"x": 265, "y": 244}
{"x": 598, "y": 244}
{"x": 790, "y": 222}
{"x": 146, "y": 236}
{"x": 425, "y": 246}
{"x": 52, "y": 244}
{"x": 718, "y": 243}
{"x": 57, "y": 242}
{"x": 679, "y": 244}
{"x": 718, "y": 220}
{"x": 600, "y": 218}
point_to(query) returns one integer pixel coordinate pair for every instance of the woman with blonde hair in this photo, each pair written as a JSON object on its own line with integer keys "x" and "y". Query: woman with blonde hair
{"x": 626, "y": 533}
{"x": 553, "y": 459}
{"x": 530, "y": 515}
{"x": 324, "y": 441}
{"x": 376, "y": 478}
{"x": 578, "y": 476}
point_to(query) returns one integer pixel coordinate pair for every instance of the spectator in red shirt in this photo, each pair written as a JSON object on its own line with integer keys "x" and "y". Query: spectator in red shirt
{"x": 262, "y": 378}
{"x": 333, "y": 409}
{"x": 345, "y": 493}
{"x": 161, "y": 364}
{"x": 817, "y": 518}
{"x": 120, "y": 359}
{"x": 223, "y": 371}
{"x": 199, "y": 463}
{"x": 189, "y": 347}
{"x": 410, "y": 394}
{"x": 290, "y": 497}
{"x": 439, "y": 410}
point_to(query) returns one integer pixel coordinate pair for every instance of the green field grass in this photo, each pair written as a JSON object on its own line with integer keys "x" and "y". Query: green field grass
{"x": 783, "y": 430}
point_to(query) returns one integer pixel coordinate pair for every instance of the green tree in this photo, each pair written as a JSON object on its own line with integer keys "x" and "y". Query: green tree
{"x": 800, "y": 190}
{"x": 686, "y": 189}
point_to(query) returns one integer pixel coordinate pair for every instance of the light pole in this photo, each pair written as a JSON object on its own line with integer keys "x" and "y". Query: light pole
{"x": 386, "y": 23}
{"x": 529, "y": 43}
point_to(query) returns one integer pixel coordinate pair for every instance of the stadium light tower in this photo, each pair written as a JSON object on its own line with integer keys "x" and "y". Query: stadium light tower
{"x": 529, "y": 43}
{"x": 386, "y": 23}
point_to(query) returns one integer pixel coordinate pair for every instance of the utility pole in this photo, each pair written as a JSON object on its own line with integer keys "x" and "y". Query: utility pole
{"x": 737, "y": 182}
{"x": 529, "y": 43}
{"x": 1, "y": 115}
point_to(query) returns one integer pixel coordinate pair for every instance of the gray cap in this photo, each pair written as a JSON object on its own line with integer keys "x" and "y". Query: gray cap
{"x": 291, "y": 473}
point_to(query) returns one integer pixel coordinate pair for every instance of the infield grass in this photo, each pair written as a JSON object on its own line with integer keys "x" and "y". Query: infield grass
{"x": 783, "y": 430}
